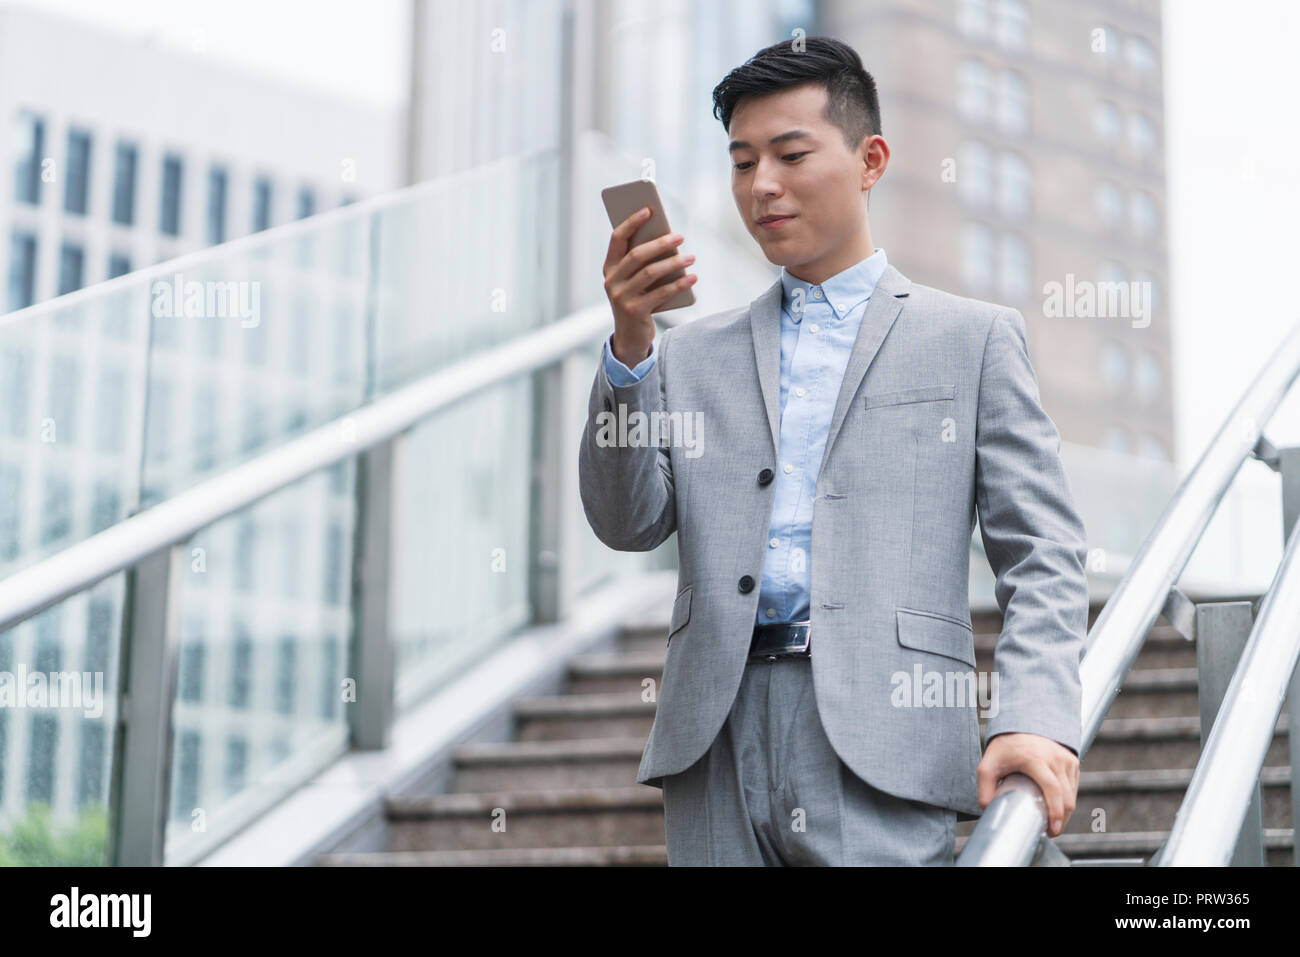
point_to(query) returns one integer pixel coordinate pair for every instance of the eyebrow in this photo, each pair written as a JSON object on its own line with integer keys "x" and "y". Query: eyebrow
{"x": 779, "y": 138}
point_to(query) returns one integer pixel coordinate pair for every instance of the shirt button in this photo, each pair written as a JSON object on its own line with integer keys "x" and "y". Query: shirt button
{"x": 800, "y": 391}
{"x": 788, "y": 468}
{"x": 817, "y": 292}
{"x": 771, "y": 613}
{"x": 813, "y": 327}
{"x": 774, "y": 542}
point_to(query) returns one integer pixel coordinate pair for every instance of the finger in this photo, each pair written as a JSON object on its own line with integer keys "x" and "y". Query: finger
{"x": 655, "y": 298}
{"x": 621, "y": 237}
{"x": 1045, "y": 777}
{"x": 639, "y": 256}
{"x": 656, "y": 271}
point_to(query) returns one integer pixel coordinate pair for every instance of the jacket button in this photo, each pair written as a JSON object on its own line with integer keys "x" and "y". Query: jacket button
{"x": 764, "y": 477}
{"x": 746, "y": 584}
{"x": 609, "y": 407}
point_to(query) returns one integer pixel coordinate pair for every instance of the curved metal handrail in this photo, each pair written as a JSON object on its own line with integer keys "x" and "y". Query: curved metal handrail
{"x": 1015, "y": 821}
{"x": 31, "y": 590}
{"x": 1209, "y": 819}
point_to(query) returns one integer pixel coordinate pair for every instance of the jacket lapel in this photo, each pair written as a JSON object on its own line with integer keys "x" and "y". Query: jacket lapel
{"x": 883, "y": 307}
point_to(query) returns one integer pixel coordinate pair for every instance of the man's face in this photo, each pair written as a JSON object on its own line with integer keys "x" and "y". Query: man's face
{"x": 811, "y": 177}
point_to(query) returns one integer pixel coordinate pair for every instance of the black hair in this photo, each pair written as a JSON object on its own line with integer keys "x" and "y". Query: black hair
{"x": 851, "y": 101}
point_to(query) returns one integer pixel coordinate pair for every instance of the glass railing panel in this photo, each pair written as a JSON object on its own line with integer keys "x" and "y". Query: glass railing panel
{"x": 265, "y": 627}
{"x": 59, "y": 696}
{"x": 251, "y": 347}
{"x": 71, "y": 413}
{"x": 460, "y": 536}
{"x": 465, "y": 267}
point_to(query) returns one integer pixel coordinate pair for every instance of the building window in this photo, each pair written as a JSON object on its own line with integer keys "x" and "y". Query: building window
{"x": 1108, "y": 202}
{"x": 1141, "y": 134}
{"x": 973, "y": 18}
{"x": 119, "y": 264}
{"x": 1011, "y": 23}
{"x": 124, "y": 164}
{"x": 1150, "y": 377}
{"x": 1141, "y": 55}
{"x": 1015, "y": 185}
{"x": 977, "y": 256}
{"x": 1014, "y": 267}
{"x": 22, "y": 270}
{"x": 306, "y": 202}
{"x": 1106, "y": 120}
{"x": 973, "y": 89}
{"x": 1013, "y": 102}
{"x": 76, "y": 193}
{"x": 1142, "y": 213}
{"x": 72, "y": 259}
{"x": 261, "y": 204}
{"x": 29, "y": 147}
{"x": 1110, "y": 44}
{"x": 1113, "y": 365}
{"x": 974, "y": 172}
{"x": 170, "y": 221}
{"x": 216, "y": 206}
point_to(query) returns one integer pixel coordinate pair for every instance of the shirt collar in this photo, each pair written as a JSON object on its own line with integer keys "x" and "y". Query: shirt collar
{"x": 844, "y": 291}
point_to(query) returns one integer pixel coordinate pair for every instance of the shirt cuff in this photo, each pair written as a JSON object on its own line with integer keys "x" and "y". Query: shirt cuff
{"x": 618, "y": 373}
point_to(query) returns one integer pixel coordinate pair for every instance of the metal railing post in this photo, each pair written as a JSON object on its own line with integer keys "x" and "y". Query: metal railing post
{"x": 1222, "y": 630}
{"x": 1289, "y": 467}
{"x": 371, "y": 654}
{"x": 141, "y": 781}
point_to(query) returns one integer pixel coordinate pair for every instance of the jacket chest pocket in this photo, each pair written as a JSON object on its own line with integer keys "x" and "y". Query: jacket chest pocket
{"x": 937, "y": 634}
{"x": 925, "y": 393}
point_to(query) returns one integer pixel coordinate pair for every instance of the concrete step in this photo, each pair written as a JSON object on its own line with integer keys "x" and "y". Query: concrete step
{"x": 539, "y": 765}
{"x": 1165, "y": 742}
{"x": 583, "y": 717}
{"x": 643, "y": 855}
{"x": 1148, "y": 800}
{"x": 573, "y": 817}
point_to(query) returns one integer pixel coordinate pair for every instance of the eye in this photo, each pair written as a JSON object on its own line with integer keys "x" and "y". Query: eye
{"x": 788, "y": 156}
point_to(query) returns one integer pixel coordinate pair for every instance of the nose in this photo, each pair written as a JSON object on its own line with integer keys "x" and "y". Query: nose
{"x": 765, "y": 183}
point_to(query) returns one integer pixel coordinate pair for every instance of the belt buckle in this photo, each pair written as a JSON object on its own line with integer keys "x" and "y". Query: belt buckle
{"x": 807, "y": 640}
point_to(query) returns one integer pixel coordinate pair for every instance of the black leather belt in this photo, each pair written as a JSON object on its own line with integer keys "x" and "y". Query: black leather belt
{"x": 787, "y": 639}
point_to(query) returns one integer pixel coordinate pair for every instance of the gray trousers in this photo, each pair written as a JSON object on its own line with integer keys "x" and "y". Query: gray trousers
{"x": 772, "y": 791}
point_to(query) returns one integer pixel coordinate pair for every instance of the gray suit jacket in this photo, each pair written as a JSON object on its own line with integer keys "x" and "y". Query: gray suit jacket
{"x": 938, "y": 418}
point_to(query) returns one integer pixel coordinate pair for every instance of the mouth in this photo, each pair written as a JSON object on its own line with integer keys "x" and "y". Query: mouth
{"x": 774, "y": 222}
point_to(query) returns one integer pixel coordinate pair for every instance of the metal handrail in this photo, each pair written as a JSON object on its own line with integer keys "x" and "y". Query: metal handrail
{"x": 31, "y": 590}
{"x": 1014, "y": 824}
{"x": 1227, "y": 774}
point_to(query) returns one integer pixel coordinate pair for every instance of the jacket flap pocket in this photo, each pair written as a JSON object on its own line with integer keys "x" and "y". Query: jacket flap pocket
{"x": 681, "y": 611}
{"x": 925, "y": 393}
{"x": 927, "y": 631}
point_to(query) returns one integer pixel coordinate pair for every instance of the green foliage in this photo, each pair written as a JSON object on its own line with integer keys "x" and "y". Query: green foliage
{"x": 34, "y": 840}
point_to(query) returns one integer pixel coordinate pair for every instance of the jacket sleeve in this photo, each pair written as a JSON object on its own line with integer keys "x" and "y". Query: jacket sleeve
{"x": 627, "y": 489}
{"x": 1035, "y": 542}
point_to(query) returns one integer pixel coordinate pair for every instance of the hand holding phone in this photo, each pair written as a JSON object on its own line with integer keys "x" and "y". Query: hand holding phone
{"x": 643, "y": 274}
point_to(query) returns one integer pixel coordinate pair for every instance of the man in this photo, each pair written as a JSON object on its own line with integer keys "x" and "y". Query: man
{"x": 816, "y": 704}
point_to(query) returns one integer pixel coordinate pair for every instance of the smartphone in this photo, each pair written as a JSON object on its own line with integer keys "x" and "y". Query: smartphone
{"x": 622, "y": 201}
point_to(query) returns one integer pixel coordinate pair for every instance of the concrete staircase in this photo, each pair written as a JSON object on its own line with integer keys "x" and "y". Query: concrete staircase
{"x": 563, "y": 792}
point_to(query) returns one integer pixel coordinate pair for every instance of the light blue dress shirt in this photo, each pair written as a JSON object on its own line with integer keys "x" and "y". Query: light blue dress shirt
{"x": 819, "y": 325}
